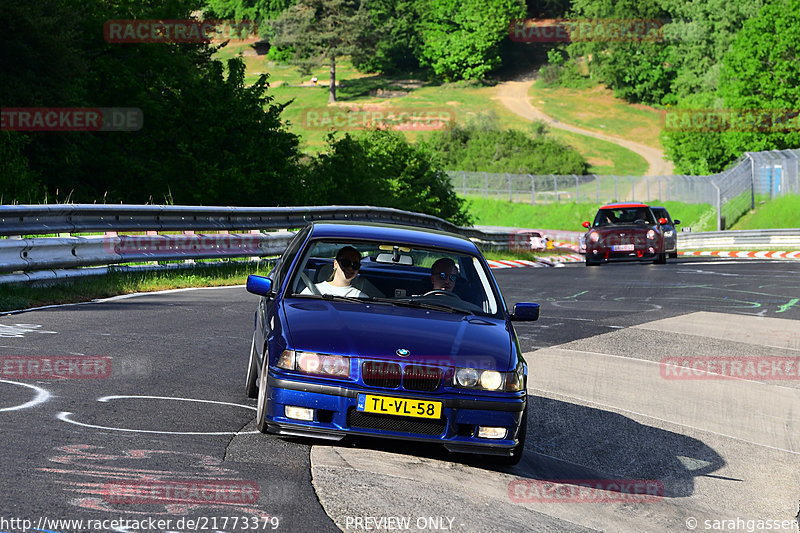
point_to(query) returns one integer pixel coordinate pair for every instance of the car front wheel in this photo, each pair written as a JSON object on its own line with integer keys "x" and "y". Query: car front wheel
{"x": 661, "y": 258}
{"x": 252, "y": 372}
{"x": 261, "y": 412}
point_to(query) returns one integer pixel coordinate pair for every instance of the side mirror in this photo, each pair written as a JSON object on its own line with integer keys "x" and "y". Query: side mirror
{"x": 524, "y": 311}
{"x": 586, "y": 224}
{"x": 260, "y": 285}
{"x": 676, "y": 222}
{"x": 662, "y": 220}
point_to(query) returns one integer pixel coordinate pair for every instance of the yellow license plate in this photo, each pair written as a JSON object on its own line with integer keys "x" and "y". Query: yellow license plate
{"x": 388, "y": 405}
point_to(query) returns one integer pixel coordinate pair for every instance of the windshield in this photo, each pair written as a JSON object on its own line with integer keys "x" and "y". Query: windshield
{"x": 624, "y": 215}
{"x": 395, "y": 274}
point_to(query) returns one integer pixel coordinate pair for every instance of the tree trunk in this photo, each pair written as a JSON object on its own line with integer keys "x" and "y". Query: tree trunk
{"x": 332, "y": 89}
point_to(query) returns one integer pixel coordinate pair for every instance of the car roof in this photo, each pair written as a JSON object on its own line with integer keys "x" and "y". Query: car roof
{"x": 392, "y": 232}
{"x": 623, "y": 204}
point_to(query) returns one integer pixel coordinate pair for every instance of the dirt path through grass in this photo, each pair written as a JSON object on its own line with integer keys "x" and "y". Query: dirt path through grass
{"x": 514, "y": 96}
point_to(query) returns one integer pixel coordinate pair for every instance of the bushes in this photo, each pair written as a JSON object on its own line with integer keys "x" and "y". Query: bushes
{"x": 382, "y": 168}
{"x": 485, "y": 148}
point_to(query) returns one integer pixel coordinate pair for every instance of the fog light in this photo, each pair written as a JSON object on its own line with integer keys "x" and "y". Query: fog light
{"x": 486, "y": 432}
{"x": 299, "y": 413}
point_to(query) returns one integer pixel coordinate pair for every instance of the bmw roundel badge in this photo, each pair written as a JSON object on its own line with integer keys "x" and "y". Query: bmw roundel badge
{"x": 402, "y": 352}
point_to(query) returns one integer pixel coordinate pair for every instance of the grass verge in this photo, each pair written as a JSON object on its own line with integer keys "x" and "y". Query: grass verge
{"x": 782, "y": 212}
{"x": 570, "y": 216}
{"x": 14, "y": 296}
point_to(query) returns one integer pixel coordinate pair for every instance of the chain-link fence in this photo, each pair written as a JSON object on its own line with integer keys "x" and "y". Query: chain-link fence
{"x": 732, "y": 192}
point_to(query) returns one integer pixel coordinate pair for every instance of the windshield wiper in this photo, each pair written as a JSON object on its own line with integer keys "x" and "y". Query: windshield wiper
{"x": 427, "y": 305}
{"x": 343, "y": 298}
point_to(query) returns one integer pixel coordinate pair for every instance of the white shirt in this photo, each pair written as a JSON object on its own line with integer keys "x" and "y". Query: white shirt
{"x": 326, "y": 288}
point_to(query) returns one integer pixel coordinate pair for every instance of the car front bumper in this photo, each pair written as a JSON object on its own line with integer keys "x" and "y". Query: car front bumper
{"x": 336, "y": 416}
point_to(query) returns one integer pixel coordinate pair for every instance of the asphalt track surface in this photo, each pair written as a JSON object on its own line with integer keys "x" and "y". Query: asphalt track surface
{"x": 173, "y": 410}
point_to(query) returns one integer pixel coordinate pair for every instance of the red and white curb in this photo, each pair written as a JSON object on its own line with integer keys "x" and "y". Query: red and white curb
{"x": 746, "y": 255}
{"x": 551, "y": 261}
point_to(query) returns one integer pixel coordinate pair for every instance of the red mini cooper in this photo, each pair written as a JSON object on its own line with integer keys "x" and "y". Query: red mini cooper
{"x": 624, "y": 232}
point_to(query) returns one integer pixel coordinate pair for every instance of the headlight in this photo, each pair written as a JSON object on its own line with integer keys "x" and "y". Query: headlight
{"x": 669, "y": 233}
{"x": 470, "y": 378}
{"x": 315, "y": 363}
{"x": 466, "y": 377}
{"x": 491, "y": 380}
{"x": 651, "y": 234}
{"x": 594, "y": 236}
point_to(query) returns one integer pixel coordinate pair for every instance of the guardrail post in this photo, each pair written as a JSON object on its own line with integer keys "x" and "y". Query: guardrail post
{"x": 533, "y": 190}
{"x": 555, "y": 188}
{"x": 647, "y": 184}
{"x": 508, "y": 177}
{"x": 597, "y": 180}
{"x": 577, "y": 189}
{"x": 719, "y": 207}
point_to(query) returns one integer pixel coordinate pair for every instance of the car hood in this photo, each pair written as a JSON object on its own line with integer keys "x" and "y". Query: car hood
{"x": 379, "y": 330}
{"x": 623, "y": 228}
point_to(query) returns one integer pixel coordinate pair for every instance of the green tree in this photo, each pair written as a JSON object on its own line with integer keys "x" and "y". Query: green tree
{"x": 320, "y": 31}
{"x": 381, "y": 168}
{"x": 697, "y": 38}
{"x": 255, "y": 10}
{"x": 636, "y": 70}
{"x": 762, "y": 72}
{"x": 459, "y": 39}
{"x": 396, "y": 40}
{"x": 207, "y": 138}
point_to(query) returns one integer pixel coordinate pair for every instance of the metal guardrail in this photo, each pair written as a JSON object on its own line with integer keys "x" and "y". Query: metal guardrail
{"x": 18, "y": 254}
{"x": 267, "y": 234}
{"x": 770, "y": 239}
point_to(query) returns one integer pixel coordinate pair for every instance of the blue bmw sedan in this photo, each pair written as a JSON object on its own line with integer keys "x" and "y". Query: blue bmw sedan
{"x": 388, "y": 331}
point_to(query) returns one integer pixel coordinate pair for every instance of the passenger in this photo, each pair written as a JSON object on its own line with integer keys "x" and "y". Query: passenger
{"x": 444, "y": 274}
{"x": 345, "y": 269}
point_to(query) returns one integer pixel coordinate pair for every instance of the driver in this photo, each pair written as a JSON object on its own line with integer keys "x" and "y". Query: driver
{"x": 444, "y": 274}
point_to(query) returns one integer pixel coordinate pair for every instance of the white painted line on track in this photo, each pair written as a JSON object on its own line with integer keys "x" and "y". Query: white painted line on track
{"x": 114, "y": 298}
{"x": 41, "y": 396}
{"x": 65, "y": 416}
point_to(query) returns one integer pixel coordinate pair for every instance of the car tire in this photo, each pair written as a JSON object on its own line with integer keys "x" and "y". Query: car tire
{"x": 673, "y": 255}
{"x": 519, "y": 449}
{"x": 660, "y": 258}
{"x": 591, "y": 263}
{"x": 250, "y": 387}
{"x": 261, "y": 411}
